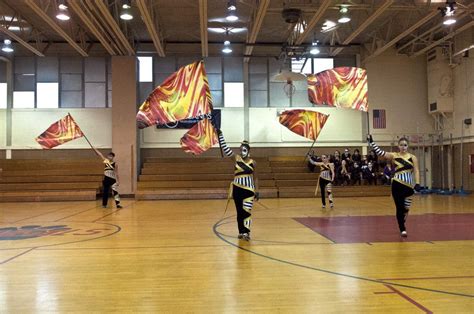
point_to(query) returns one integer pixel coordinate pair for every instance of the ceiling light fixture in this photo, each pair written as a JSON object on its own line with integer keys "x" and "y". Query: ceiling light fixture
{"x": 344, "y": 15}
{"x": 126, "y": 12}
{"x": 227, "y": 48}
{"x": 63, "y": 13}
{"x": 448, "y": 13}
{"x": 231, "y": 16}
{"x": 231, "y": 5}
{"x": 314, "y": 49}
{"x": 328, "y": 26}
{"x": 7, "y": 46}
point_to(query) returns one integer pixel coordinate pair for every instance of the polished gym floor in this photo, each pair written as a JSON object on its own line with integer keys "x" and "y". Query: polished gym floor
{"x": 184, "y": 256}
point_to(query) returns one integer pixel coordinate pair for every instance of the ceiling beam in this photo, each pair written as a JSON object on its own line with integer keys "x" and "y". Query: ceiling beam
{"x": 92, "y": 28}
{"x": 150, "y": 25}
{"x": 403, "y": 34}
{"x": 55, "y": 27}
{"x": 203, "y": 25}
{"x": 114, "y": 26}
{"x": 450, "y": 35}
{"x": 434, "y": 29}
{"x": 364, "y": 25}
{"x": 21, "y": 41}
{"x": 314, "y": 20}
{"x": 257, "y": 24}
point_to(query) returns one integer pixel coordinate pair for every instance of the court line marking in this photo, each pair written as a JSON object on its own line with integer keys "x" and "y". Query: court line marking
{"x": 83, "y": 211}
{"x": 216, "y": 232}
{"x": 406, "y": 297}
{"x": 429, "y": 278}
{"x": 115, "y": 211}
{"x": 18, "y": 255}
{"x": 67, "y": 207}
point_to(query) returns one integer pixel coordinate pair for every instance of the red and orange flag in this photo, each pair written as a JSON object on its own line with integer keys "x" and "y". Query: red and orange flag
{"x": 304, "y": 122}
{"x": 183, "y": 95}
{"x": 60, "y": 132}
{"x": 199, "y": 138}
{"x": 344, "y": 87}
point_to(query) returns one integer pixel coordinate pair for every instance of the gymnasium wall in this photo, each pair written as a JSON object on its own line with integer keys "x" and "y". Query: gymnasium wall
{"x": 29, "y": 123}
{"x": 463, "y": 74}
{"x": 3, "y": 128}
{"x": 398, "y": 84}
{"x": 265, "y": 131}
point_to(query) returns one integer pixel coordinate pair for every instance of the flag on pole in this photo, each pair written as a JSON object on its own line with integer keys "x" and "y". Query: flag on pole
{"x": 60, "y": 132}
{"x": 304, "y": 122}
{"x": 199, "y": 138}
{"x": 344, "y": 87}
{"x": 379, "y": 121}
{"x": 183, "y": 95}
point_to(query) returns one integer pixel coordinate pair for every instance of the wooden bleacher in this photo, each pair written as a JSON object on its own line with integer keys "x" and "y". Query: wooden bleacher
{"x": 49, "y": 180}
{"x": 209, "y": 178}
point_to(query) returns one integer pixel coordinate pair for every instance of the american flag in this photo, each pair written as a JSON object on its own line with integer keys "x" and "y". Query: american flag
{"x": 379, "y": 119}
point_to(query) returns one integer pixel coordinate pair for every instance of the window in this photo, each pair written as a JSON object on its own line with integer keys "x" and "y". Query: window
{"x": 23, "y": 99}
{"x": 301, "y": 65}
{"x": 145, "y": 69}
{"x": 3, "y": 95}
{"x": 47, "y": 95}
{"x": 233, "y": 94}
{"x": 322, "y": 64}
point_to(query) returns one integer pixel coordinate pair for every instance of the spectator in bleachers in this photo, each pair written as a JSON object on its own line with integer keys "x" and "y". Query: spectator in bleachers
{"x": 345, "y": 172}
{"x": 356, "y": 157}
{"x": 346, "y": 154}
{"x": 373, "y": 158}
{"x": 336, "y": 160}
{"x": 356, "y": 173}
{"x": 387, "y": 175}
{"x": 369, "y": 174}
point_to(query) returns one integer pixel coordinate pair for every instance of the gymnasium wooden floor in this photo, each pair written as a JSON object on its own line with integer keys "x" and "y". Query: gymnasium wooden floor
{"x": 183, "y": 257}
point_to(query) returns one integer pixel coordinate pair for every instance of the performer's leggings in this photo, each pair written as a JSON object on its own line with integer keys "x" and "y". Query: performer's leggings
{"x": 106, "y": 185}
{"x": 243, "y": 200}
{"x": 325, "y": 186}
{"x": 402, "y": 197}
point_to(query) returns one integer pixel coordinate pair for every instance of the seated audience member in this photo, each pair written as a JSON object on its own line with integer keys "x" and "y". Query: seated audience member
{"x": 346, "y": 155}
{"x": 387, "y": 175}
{"x": 368, "y": 174}
{"x": 356, "y": 157}
{"x": 373, "y": 158}
{"x": 345, "y": 172}
{"x": 356, "y": 173}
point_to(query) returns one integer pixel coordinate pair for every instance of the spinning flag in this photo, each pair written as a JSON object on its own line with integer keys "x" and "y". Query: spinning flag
{"x": 199, "y": 138}
{"x": 344, "y": 87}
{"x": 60, "y": 132}
{"x": 183, "y": 95}
{"x": 303, "y": 122}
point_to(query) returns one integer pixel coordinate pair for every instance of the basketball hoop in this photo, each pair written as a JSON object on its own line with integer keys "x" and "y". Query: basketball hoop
{"x": 289, "y": 78}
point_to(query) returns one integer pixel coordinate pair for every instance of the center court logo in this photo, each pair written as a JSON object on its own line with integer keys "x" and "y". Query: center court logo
{"x": 28, "y": 232}
{"x": 26, "y": 236}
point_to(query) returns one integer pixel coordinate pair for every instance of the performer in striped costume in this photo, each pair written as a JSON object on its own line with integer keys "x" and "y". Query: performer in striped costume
{"x": 405, "y": 181}
{"x": 244, "y": 186}
{"x": 111, "y": 180}
{"x": 326, "y": 177}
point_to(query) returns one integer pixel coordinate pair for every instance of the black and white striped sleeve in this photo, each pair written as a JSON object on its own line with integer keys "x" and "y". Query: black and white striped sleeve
{"x": 377, "y": 149}
{"x": 225, "y": 149}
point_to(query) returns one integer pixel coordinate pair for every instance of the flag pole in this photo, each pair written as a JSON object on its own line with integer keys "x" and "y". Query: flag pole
{"x": 83, "y": 134}
{"x": 309, "y": 151}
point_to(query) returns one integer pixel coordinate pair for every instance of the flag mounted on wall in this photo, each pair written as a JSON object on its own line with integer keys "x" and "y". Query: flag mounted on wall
{"x": 379, "y": 120}
{"x": 60, "y": 132}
